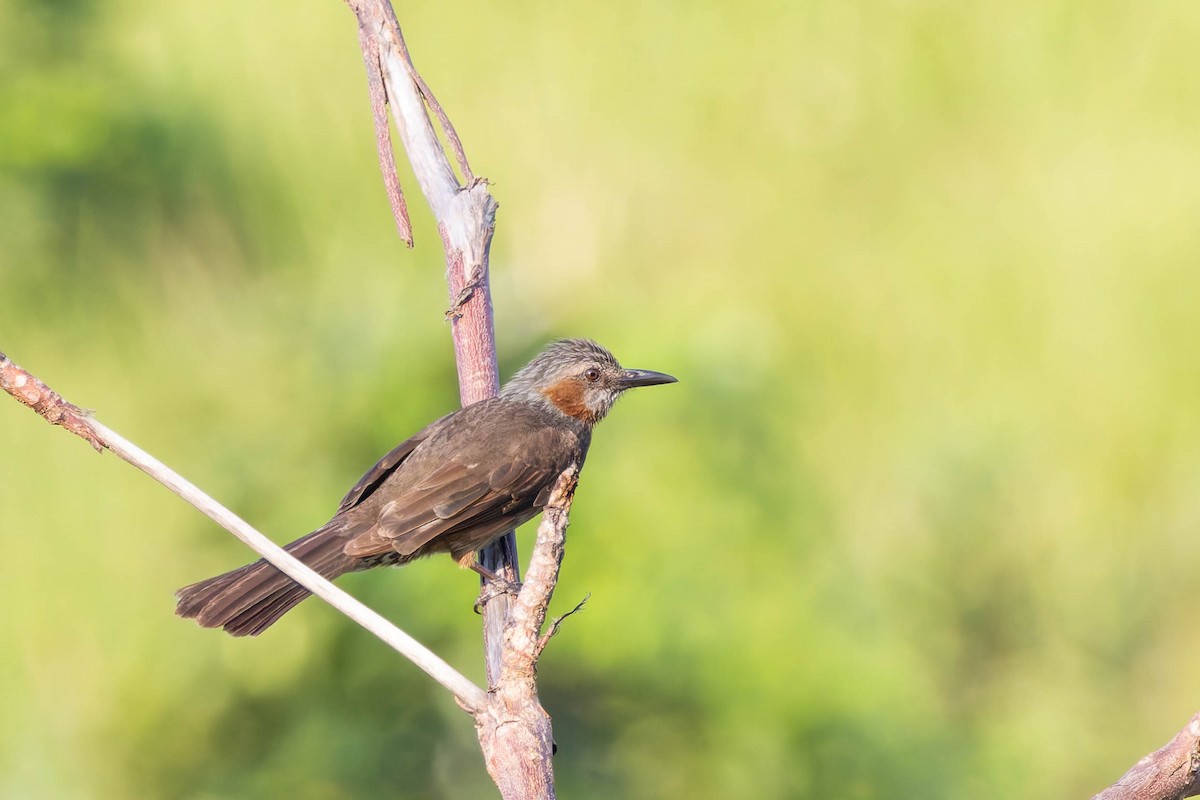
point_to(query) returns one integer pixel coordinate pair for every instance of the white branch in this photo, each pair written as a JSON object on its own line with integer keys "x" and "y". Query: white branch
{"x": 429, "y": 162}
{"x": 31, "y": 391}
{"x": 467, "y": 692}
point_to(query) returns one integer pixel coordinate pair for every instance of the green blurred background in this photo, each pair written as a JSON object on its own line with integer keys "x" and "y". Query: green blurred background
{"x": 919, "y": 520}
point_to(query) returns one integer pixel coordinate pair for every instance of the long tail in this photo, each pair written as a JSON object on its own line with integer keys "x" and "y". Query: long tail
{"x": 248, "y": 600}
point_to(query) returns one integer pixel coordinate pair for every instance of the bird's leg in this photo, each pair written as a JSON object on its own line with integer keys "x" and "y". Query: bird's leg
{"x": 496, "y": 585}
{"x": 488, "y": 575}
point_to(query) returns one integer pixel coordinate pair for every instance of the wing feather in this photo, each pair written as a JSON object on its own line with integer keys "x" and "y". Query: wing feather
{"x": 386, "y": 465}
{"x": 458, "y": 497}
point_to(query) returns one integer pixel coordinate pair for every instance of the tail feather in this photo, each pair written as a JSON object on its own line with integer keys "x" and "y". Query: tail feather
{"x": 248, "y": 600}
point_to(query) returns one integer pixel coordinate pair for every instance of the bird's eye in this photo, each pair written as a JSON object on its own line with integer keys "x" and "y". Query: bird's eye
{"x": 592, "y": 374}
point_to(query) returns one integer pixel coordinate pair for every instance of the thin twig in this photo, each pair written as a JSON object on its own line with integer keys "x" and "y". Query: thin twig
{"x": 48, "y": 403}
{"x": 383, "y": 135}
{"x": 545, "y": 638}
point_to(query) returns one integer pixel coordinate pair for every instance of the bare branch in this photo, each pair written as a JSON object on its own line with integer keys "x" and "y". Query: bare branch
{"x": 45, "y": 401}
{"x": 427, "y": 94}
{"x": 522, "y": 633}
{"x": 1168, "y": 773}
{"x": 514, "y": 730}
{"x": 383, "y": 135}
{"x": 466, "y": 217}
{"x": 32, "y": 392}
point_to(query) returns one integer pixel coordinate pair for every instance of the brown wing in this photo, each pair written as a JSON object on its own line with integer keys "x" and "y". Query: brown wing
{"x": 456, "y": 498}
{"x": 378, "y": 473}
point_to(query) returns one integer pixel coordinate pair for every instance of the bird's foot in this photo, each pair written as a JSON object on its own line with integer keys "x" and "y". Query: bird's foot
{"x": 495, "y": 587}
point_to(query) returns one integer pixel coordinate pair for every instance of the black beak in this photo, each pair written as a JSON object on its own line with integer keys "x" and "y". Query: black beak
{"x": 644, "y": 377}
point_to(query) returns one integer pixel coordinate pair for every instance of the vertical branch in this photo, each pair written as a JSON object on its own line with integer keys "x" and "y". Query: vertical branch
{"x": 466, "y": 218}
{"x": 514, "y": 730}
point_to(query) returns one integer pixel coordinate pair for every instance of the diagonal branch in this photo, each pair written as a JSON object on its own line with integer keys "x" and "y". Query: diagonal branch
{"x": 30, "y": 391}
{"x": 522, "y": 634}
{"x": 1169, "y": 773}
{"x": 34, "y": 393}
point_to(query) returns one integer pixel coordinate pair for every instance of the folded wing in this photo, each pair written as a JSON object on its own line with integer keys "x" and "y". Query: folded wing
{"x": 455, "y": 498}
{"x": 386, "y": 465}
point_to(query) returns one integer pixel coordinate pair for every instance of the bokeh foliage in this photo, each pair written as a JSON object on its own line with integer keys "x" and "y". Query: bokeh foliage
{"x": 919, "y": 521}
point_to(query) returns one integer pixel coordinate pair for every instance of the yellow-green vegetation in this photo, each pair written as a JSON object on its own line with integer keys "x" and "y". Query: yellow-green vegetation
{"x": 921, "y": 519}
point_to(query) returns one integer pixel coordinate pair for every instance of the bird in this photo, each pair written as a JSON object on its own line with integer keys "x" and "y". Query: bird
{"x": 453, "y": 487}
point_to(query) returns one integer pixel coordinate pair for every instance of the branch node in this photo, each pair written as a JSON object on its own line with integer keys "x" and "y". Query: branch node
{"x": 477, "y": 281}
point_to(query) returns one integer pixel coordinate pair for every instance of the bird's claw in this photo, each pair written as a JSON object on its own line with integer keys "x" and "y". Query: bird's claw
{"x": 493, "y": 589}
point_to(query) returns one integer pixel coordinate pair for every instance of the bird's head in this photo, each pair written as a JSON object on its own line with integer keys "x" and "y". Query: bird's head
{"x": 579, "y": 378}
